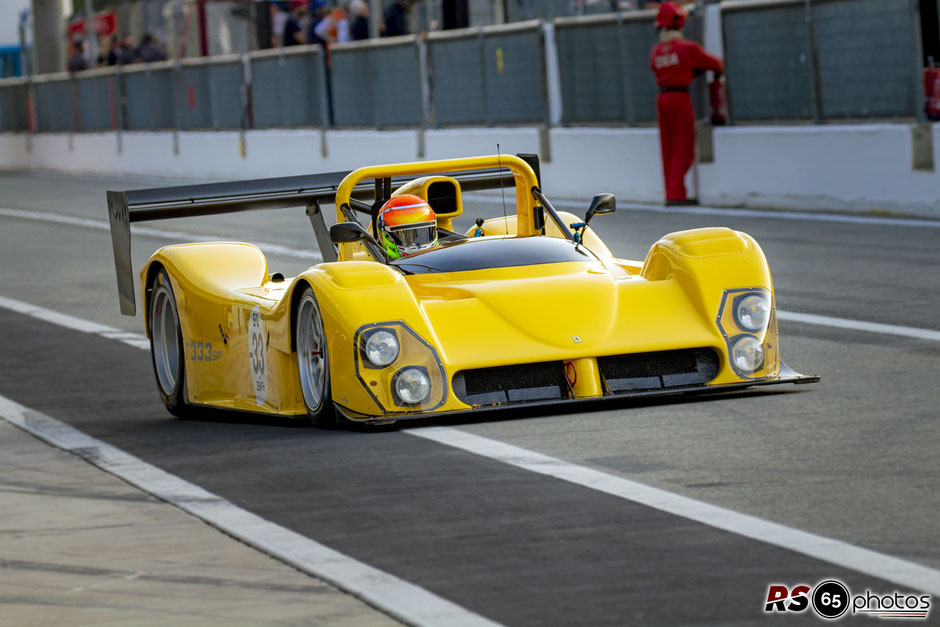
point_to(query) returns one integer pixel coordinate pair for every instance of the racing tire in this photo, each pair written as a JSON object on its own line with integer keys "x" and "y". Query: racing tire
{"x": 313, "y": 363}
{"x": 166, "y": 346}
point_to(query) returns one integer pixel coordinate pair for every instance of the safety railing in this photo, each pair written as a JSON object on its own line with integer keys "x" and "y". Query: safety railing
{"x": 377, "y": 84}
{"x": 825, "y": 59}
{"x": 786, "y": 60}
{"x": 287, "y": 88}
{"x": 490, "y": 75}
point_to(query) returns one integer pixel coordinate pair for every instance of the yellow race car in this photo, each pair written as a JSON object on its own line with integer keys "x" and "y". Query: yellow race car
{"x": 523, "y": 309}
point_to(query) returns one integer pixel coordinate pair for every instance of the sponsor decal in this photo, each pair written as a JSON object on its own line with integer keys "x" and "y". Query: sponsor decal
{"x": 201, "y": 351}
{"x": 258, "y": 355}
{"x": 831, "y": 599}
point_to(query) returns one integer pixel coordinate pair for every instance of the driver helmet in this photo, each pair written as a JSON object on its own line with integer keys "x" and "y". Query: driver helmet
{"x": 406, "y": 225}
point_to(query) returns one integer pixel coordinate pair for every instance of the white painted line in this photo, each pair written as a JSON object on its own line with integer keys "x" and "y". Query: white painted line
{"x": 78, "y": 324}
{"x": 580, "y": 207}
{"x": 830, "y": 550}
{"x": 860, "y": 325}
{"x": 893, "y": 569}
{"x": 146, "y": 231}
{"x": 396, "y": 597}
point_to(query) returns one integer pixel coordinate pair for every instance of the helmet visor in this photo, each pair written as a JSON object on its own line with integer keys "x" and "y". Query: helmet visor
{"x": 414, "y": 237}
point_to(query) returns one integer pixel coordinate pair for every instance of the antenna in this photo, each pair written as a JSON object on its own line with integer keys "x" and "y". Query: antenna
{"x": 502, "y": 190}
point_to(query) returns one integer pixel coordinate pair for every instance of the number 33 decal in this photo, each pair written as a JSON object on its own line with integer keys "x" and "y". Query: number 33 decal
{"x": 258, "y": 355}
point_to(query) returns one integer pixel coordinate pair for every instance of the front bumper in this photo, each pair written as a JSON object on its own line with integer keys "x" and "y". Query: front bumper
{"x": 787, "y": 375}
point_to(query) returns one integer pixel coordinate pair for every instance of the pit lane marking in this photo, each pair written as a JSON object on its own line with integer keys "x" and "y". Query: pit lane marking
{"x": 396, "y": 597}
{"x": 146, "y": 231}
{"x": 886, "y": 567}
{"x": 859, "y": 325}
{"x": 834, "y": 551}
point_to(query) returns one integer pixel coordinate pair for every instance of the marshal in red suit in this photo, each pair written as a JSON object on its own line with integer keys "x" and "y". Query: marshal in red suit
{"x": 676, "y": 61}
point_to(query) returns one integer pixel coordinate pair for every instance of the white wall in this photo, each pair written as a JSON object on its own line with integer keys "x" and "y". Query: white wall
{"x": 10, "y": 20}
{"x": 858, "y": 168}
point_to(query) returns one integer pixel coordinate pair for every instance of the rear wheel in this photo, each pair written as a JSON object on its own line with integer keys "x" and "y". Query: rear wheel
{"x": 313, "y": 361}
{"x": 166, "y": 345}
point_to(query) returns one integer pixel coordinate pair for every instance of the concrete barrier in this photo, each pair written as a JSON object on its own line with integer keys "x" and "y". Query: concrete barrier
{"x": 856, "y": 168}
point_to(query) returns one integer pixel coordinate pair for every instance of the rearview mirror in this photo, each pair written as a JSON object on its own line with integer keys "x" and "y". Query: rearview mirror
{"x": 345, "y": 232}
{"x": 601, "y": 203}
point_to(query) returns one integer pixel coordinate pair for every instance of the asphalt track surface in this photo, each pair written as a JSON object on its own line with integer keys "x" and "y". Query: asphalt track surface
{"x": 854, "y": 457}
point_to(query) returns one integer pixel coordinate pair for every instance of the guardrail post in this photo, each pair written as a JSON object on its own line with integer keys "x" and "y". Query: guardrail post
{"x": 176, "y": 81}
{"x": 919, "y": 111}
{"x": 116, "y": 104}
{"x": 325, "y": 100}
{"x": 816, "y": 87}
{"x": 422, "y": 51}
{"x": 245, "y": 121}
{"x": 545, "y": 145}
{"x": 628, "y": 107}
{"x": 483, "y": 91}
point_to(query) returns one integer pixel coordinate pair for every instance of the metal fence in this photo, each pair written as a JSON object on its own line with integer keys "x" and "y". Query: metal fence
{"x": 792, "y": 60}
{"x": 288, "y": 88}
{"x": 377, "y": 84}
{"x": 825, "y": 59}
{"x": 492, "y": 75}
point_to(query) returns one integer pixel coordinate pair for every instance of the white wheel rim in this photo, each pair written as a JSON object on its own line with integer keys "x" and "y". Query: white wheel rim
{"x": 311, "y": 352}
{"x": 166, "y": 355}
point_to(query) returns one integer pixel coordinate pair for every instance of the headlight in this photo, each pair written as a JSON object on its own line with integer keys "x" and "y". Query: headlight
{"x": 382, "y": 348}
{"x": 747, "y": 354}
{"x": 752, "y": 312}
{"x": 412, "y": 386}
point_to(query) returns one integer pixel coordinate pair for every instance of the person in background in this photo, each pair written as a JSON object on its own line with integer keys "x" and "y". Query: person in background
{"x": 676, "y": 61}
{"x": 395, "y": 20}
{"x": 334, "y": 28}
{"x": 150, "y": 50}
{"x": 319, "y": 9}
{"x": 77, "y": 61}
{"x": 294, "y": 34}
{"x": 121, "y": 50}
{"x": 359, "y": 16}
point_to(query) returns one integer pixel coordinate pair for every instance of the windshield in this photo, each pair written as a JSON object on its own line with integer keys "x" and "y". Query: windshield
{"x": 486, "y": 253}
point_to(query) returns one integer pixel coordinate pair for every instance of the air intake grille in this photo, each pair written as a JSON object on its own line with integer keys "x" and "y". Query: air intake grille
{"x": 511, "y": 384}
{"x": 659, "y": 370}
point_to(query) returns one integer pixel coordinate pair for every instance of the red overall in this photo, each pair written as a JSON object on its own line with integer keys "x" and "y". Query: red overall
{"x": 675, "y": 64}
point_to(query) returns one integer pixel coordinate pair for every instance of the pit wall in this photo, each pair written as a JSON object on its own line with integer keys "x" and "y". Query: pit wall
{"x": 853, "y": 168}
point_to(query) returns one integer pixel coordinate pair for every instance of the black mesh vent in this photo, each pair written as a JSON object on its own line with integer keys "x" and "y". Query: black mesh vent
{"x": 511, "y": 384}
{"x": 659, "y": 370}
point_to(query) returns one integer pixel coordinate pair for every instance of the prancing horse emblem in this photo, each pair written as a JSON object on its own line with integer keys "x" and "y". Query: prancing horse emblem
{"x": 576, "y": 338}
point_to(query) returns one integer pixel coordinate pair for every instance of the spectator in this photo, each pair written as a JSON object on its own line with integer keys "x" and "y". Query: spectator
{"x": 120, "y": 52}
{"x": 150, "y": 50}
{"x": 359, "y": 12}
{"x": 318, "y": 10}
{"x": 395, "y": 20}
{"x": 77, "y": 61}
{"x": 334, "y": 28}
{"x": 294, "y": 34}
{"x": 676, "y": 61}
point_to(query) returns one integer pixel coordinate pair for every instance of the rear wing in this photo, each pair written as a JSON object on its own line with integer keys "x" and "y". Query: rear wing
{"x": 187, "y": 201}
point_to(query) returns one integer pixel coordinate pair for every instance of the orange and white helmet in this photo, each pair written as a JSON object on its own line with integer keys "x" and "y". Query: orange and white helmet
{"x": 406, "y": 225}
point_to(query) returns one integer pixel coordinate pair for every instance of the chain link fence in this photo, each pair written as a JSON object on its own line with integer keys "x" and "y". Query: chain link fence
{"x": 825, "y": 59}
{"x": 288, "y": 87}
{"x": 604, "y": 67}
{"x": 786, "y": 60}
{"x": 492, "y": 75}
{"x": 377, "y": 84}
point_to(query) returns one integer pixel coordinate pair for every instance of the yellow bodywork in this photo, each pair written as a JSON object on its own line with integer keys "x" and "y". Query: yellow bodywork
{"x": 448, "y": 322}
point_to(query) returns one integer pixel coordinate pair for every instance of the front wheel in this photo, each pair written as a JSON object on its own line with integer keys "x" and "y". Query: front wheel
{"x": 166, "y": 345}
{"x": 313, "y": 361}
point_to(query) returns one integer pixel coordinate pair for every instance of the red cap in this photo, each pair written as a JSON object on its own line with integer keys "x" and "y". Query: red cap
{"x": 670, "y": 15}
{"x": 297, "y": 3}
